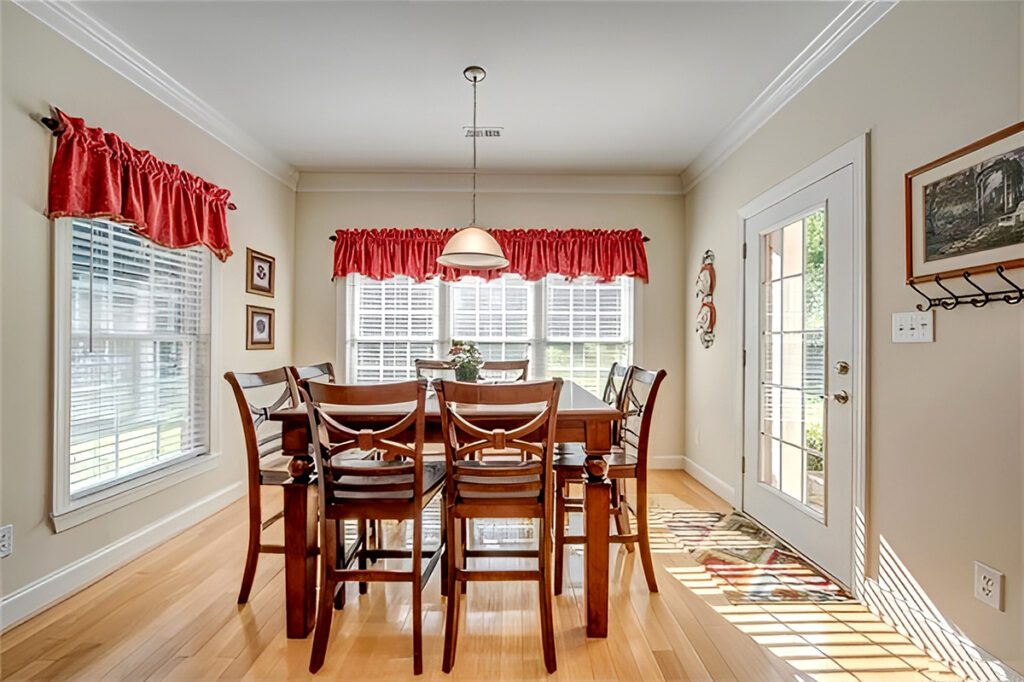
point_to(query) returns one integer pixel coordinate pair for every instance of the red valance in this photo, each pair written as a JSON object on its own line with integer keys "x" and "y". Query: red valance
{"x": 96, "y": 174}
{"x": 387, "y": 252}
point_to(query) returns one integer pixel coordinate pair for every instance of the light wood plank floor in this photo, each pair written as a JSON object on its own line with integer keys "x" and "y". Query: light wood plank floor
{"x": 171, "y": 615}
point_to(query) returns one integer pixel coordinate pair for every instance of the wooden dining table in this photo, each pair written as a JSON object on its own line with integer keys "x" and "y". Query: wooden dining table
{"x": 582, "y": 418}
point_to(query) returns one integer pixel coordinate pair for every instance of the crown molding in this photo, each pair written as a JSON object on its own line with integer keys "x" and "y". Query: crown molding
{"x": 490, "y": 183}
{"x": 851, "y": 23}
{"x": 68, "y": 19}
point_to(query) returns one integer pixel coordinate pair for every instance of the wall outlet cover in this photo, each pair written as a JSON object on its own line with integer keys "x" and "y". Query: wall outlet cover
{"x": 988, "y": 585}
{"x": 6, "y": 540}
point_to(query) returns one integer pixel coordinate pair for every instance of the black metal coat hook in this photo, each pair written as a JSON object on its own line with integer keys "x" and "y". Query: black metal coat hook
{"x": 979, "y": 298}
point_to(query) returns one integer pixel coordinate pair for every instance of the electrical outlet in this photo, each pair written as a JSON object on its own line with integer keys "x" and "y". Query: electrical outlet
{"x": 6, "y": 540}
{"x": 988, "y": 585}
{"x": 916, "y": 327}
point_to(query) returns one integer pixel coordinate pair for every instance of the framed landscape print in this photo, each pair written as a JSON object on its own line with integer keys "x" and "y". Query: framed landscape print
{"x": 965, "y": 211}
{"x": 259, "y": 328}
{"x": 259, "y": 273}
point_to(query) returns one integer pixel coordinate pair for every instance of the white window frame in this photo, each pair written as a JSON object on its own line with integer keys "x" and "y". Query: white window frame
{"x": 345, "y": 305}
{"x": 69, "y": 511}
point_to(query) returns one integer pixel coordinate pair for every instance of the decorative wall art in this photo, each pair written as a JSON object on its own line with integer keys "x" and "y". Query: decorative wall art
{"x": 705, "y": 292}
{"x": 259, "y": 273}
{"x": 259, "y": 328}
{"x": 965, "y": 211}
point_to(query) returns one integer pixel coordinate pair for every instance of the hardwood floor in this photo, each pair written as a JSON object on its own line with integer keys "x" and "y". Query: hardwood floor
{"x": 171, "y": 615}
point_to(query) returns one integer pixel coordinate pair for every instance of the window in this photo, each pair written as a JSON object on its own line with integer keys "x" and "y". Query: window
{"x": 133, "y": 358}
{"x": 572, "y": 329}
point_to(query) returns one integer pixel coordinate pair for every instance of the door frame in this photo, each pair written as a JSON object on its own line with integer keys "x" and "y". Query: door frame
{"x": 854, "y": 153}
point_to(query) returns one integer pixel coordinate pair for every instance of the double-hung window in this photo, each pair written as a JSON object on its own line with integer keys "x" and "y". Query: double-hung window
{"x": 573, "y": 329}
{"x": 132, "y": 353}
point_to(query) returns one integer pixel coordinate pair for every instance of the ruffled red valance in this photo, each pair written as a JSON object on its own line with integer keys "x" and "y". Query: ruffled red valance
{"x": 387, "y": 252}
{"x": 96, "y": 174}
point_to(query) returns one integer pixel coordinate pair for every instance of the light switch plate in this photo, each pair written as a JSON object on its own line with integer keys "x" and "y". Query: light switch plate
{"x": 913, "y": 327}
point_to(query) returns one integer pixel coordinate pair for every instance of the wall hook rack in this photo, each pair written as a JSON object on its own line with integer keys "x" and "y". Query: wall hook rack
{"x": 978, "y": 298}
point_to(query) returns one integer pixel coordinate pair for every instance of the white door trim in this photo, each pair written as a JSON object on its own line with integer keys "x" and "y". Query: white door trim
{"x": 854, "y": 153}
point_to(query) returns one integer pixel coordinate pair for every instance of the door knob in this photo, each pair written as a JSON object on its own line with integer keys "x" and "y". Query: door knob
{"x": 842, "y": 397}
{"x": 842, "y": 367}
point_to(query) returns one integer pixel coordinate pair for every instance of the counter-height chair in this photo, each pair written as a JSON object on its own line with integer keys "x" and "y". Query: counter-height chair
{"x": 505, "y": 370}
{"x": 628, "y": 459}
{"x": 323, "y": 372}
{"x": 434, "y": 369}
{"x": 267, "y": 463}
{"x": 395, "y": 486}
{"x": 509, "y": 489}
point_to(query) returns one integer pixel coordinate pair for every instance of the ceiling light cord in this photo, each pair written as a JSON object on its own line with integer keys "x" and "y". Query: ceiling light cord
{"x": 473, "y": 222}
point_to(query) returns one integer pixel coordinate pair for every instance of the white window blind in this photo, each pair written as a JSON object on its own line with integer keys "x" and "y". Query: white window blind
{"x": 139, "y": 375}
{"x": 392, "y": 323}
{"x": 572, "y": 329}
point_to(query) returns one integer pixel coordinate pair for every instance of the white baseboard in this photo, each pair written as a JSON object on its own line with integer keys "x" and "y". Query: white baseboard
{"x": 666, "y": 462}
{"x": 62, "y": 583}
{"x": 710, "y": 481}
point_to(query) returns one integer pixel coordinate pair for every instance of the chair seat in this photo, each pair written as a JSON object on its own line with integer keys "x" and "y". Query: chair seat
{"x": 433, "y": 478}
{"x": 274, "y": 469}
{"x": 620, "y": 463}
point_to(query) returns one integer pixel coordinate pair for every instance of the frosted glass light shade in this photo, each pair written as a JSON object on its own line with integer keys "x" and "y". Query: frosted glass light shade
{"x": 473, "y": 248}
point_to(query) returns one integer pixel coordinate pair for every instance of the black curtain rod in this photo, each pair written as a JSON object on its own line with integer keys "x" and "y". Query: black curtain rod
{"x": 53, "y": 125}
{"x": 334, "y": 238}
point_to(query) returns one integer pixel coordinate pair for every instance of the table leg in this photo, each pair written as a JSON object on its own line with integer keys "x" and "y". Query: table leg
{"x": 597, "y": 492}
{"x": 300, "y": 556}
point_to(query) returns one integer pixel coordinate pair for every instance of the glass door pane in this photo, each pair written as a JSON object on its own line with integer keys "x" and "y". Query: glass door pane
{"x": 792, "y": 375}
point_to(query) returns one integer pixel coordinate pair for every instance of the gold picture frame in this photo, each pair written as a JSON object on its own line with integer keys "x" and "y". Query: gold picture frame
{"x": 260, "y": 273}
{"x": 259, "y": 328}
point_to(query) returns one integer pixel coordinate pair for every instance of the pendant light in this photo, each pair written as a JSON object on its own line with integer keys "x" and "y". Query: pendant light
{"x": 472, "y": 247}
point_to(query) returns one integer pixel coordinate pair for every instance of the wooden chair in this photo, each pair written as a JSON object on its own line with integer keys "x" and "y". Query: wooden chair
{"x": 267, "y": 463}
{"x": 321, "y": 372}
{"x": 434, "y": 369}
{"x": 514, "y": 489}
{"x": 395, "y": 487}
{"x": 627, "y": 460}
{"x": 504, "y": 368}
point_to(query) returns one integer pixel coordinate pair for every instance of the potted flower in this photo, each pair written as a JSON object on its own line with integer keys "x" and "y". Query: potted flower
{"x": 467, "y": 359}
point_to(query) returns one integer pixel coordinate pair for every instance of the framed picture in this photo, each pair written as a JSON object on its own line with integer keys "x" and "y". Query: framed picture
{"x": 965, "y": 211}
{"x": 259, "y": 273}
{"x": 259, "y": 328}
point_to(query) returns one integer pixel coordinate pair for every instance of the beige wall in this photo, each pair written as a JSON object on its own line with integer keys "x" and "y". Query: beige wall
{"x": 664, "y": 324}
{"x": 40, "y": 68}
{"x": 945, "y": 442}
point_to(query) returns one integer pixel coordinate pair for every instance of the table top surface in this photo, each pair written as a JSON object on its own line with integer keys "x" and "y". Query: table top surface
{"x": 573, "y": 401}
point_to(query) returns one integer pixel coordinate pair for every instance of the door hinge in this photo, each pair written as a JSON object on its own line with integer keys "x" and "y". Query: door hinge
{"x": 744, "y": 357}
{"x": 744, "y": 250}
{"x": 743, "y": 465}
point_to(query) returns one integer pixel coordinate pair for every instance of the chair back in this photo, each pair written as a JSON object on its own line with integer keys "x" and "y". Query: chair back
{"x": 530, "y": 428}
{"x": 396, "y": 474}
{"x": 612, "y": 394}
{"x": 262, "y": 437}
{"x": 434, "y": 369}
{"x": 506, "y": 370}
{"x": 321, "y": 372}
{"x": 639, "y": 393}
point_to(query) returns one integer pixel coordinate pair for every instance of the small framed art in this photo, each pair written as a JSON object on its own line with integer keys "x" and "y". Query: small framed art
{"x": 259, "y": 273}
{"x": 965, "y": 211}
{"x": 259, "y": 328}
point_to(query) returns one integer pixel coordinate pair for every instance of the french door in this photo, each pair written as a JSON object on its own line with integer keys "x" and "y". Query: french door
{"x": 799, "y": 341}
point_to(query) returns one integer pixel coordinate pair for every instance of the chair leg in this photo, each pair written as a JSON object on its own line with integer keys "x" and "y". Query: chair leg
{"x": 339, "y": 590}
{"x": 417, "y": 595}
{"x": 451, "y": 621}
{"x": 464, "y": 538}
{"x": 547, "y": 623}
{"x": 252, "y": 553}
{"x": 447, "y": 547}
{"x": 621, "y": 511}
{"x": 325, "y": 610}
{"x": 643, "y": 532}
{"x": 364, "y": 536}
{"x": 562, "y": 490}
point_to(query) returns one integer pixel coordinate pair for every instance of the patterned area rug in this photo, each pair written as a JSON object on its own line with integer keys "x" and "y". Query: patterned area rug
{"x": 744, "y": 562}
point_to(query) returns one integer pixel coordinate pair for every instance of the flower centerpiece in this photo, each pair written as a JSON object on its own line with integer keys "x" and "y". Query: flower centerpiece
{"x": 467, "y": 359}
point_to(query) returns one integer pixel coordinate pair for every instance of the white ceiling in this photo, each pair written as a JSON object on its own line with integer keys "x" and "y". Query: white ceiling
{"x": 602, "y": 87}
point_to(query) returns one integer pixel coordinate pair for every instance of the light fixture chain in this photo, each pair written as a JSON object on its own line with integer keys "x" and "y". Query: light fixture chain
{"x": 474, "y": 151}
